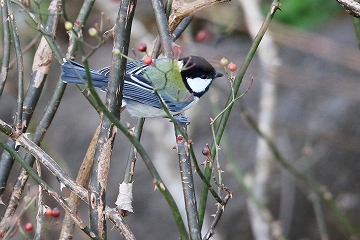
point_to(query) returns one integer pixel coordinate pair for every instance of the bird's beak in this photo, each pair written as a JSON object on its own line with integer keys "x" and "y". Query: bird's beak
{"x": 218, "y": 74}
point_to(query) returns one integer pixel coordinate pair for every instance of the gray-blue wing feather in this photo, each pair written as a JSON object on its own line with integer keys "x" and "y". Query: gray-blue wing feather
{"x": 73, "y": 72}
{"x": 132, "y": 67}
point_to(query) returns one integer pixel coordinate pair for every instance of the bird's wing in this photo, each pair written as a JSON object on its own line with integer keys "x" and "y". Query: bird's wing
{"x": 73, "y": 72}
{"x": 136, "y": 67}
{"x": 132, "y": 67}
{"x": 138, "y": 88}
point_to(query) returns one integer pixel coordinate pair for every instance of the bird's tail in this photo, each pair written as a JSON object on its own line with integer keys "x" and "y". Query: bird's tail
{"x": 73, "y": 72}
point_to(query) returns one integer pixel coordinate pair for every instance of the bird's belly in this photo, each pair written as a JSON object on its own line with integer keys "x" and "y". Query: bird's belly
{"x": 137, "y": 109}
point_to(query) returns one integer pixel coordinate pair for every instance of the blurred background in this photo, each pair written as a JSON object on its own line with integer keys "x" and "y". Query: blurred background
{"x": 312, "y": 66}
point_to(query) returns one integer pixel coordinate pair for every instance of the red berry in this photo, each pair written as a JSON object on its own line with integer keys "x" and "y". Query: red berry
{"x": 1, "y": 235}
{"x": 29, "y": 227}
{"x": 202, "y": 35}
{"x": 55, "y": 212}
{"x": 206, "y": 151}
{"x": 48, "y": 212}
{"x": 148, "y": 60}
{"x": 232, "y": 67}
{"x": 142, "y": 47}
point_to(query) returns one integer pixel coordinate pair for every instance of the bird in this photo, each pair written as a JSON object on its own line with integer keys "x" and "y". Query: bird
{"x": 179, "y": 82}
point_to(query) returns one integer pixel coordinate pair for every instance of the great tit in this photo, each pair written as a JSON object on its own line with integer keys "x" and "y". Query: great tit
{"x": 180, "y": 83}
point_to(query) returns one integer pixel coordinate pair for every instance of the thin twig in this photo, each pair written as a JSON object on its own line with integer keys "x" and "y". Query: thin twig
{"x": 100, "y": 171}
{"x": 163, "y": 27}
{"x": 6, "y": 49}
{"x": 32, "y": 96}
{"x": 270, "y": 61}
{"x": 192, "y": 153}
{"x": 217, "y": 216}
{"x": 186, "y": 151}
{"x": 20, "y": 63}
{"x": 119, "y": 223}
{"x": 48, "y": 162}
{"x": 181, "y": 27}
{"x": 40, "y": 207}
{"x": 41, "y": 65}
{"x": 182, "y": 9}
{"x": 27, "y": 48}
{"x": 129, "y": 173}
{"x": 44, "y": 31}
{"x": 12, "y": 228}
{"x": 351, "y": 6}
{"x": 316, "y": 201}
{"x": 37, "y": 137}
{"x": 82, "y": 179}
{"x": 241, "y": 180}
{"x": 30, "y": 100}
{"x": 187, "y": 182}
{"x": 49, "y": 190}
{"x": 157, "y": 181}
{"x": 236, "y": 86}
{"x": 315, "y": 186}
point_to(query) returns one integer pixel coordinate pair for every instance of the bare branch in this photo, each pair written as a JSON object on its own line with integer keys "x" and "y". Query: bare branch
{"x": 351, "y": 6}
{"x": 181, "y": 10}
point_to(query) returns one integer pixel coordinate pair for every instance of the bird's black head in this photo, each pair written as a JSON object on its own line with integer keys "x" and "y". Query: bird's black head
{"x": 198, "y": 74}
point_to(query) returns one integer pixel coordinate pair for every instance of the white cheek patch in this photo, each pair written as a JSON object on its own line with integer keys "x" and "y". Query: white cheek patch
{"x": 198, "y": 84}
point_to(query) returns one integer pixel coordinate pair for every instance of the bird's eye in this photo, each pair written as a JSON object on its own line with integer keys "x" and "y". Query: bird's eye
{"x": 203, "y": 76}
